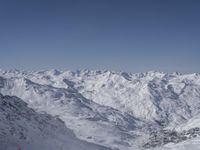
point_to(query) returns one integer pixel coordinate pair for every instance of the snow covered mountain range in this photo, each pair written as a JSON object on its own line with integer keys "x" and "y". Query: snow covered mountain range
{"x": 99, "y": 110}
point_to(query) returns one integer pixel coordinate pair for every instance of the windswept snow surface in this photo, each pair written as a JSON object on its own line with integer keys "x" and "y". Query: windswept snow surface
{"x": 118, "y": 110}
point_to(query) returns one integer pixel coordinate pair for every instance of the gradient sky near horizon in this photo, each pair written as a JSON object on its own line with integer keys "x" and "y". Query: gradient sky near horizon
{"x": 129, "y": 35}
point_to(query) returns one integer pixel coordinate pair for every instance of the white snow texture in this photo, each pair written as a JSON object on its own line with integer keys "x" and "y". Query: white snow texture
{"x": 99, "y": 110}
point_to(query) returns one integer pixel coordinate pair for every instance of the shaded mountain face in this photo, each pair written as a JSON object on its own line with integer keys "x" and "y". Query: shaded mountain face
{"x": 22, "y": 127}
{"x": 117, "y": 110}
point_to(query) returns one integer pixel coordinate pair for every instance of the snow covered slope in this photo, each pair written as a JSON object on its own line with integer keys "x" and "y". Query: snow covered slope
{"x": 21, "y": 127}
{"x": 115, "y": 109}
{"x": 192, "y": 144}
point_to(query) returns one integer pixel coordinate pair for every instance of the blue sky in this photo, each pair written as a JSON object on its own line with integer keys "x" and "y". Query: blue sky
{"x": 129, "y": 35}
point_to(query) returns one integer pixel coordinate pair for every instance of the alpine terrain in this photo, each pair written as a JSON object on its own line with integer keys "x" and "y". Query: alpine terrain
{"x": 99, "y": 110}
